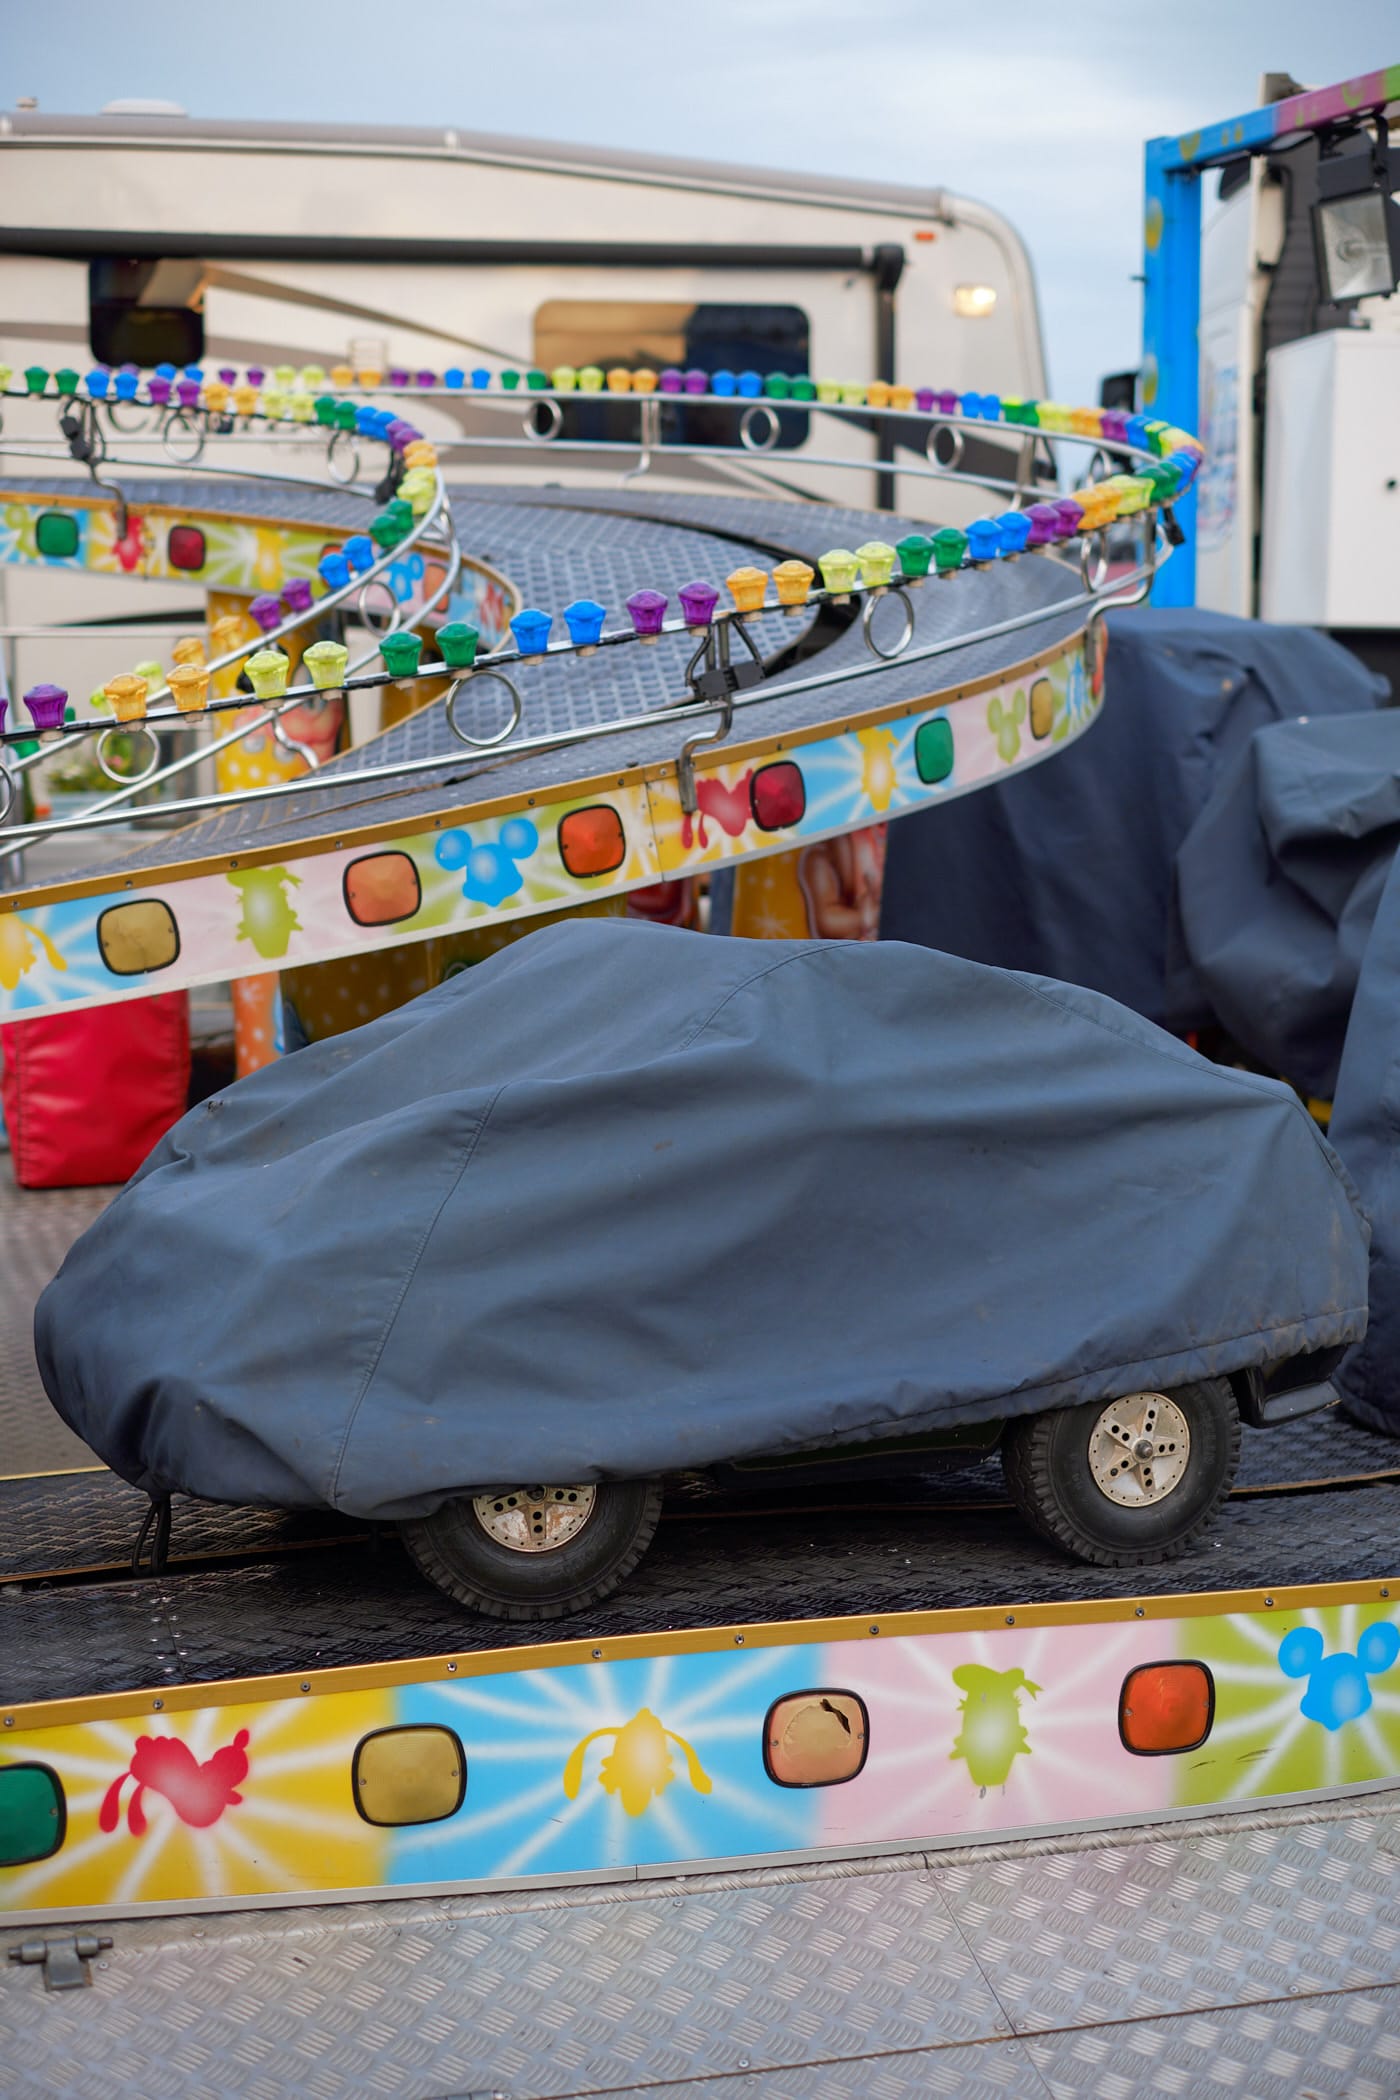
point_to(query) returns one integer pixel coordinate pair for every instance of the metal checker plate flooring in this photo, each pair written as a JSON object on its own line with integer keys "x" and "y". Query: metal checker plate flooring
{"x": 1254, "y": 1956}
{"x": 575, "y": 545}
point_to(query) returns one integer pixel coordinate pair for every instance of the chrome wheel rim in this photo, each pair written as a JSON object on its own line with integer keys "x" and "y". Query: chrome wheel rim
{"x": 1139, "y": 1450}
{"x": 534, "y": 1519}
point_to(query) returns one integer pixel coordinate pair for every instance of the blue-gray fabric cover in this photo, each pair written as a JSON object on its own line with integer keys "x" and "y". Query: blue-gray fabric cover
{"x": 624, "y": 1200}
{"x": 1278, "y": 882}
{"x": 1068, "y": 869}
{"x": 1366, "y": 1130}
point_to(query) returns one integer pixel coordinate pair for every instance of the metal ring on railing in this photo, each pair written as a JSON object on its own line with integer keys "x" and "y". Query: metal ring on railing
{"x": 1093, "y": 560}
{"x": 502, "y": 736}
{"x": 130, "y": 778}
{"x": 142, "y": 413}
{"x": 177, "y": 420}
{"x": 867, "y": 620}
{"x": 9, "y": 787}
{"x": 343, "y": 458}
{"x": 748, "y": 425}
{"x": 957, "y": 446}
{"x": 552, "y": 429}
{"x": 377, "y": 623}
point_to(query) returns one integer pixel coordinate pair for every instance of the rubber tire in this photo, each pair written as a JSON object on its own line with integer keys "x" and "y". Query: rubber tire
{"x": 452, "y": 1550}
{"x": 1045, "y": 1459}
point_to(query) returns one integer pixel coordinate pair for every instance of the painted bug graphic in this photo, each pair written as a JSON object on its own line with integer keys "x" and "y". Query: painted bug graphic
{"x": 198, "y": 1793}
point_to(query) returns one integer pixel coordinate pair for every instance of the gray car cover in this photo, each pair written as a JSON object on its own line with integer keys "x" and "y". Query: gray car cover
{"x": 1278, "y": 882}
{"x": 624, "y": 1200}
{"x": 1366, "y": 1128}
{"x": 1068, "y": 869}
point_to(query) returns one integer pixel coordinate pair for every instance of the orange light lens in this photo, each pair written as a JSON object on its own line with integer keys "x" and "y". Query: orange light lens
{"x": 1166, "y": 1707}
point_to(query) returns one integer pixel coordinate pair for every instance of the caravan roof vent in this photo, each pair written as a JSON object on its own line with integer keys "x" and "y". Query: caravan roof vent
{"x": 142, "y": 106}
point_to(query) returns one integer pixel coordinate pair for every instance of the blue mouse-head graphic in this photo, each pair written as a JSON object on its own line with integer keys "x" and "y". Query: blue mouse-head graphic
{"x": 490, "y": 873}
{"x": 1338, "y": 1690}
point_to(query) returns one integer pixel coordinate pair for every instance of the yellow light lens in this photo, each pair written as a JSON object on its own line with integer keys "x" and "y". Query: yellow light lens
{"x": 973, "y": 302}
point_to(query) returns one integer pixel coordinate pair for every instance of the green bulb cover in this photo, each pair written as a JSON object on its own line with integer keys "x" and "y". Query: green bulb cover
{"x": 458, "y": 641}
{"x": 401, "y": 653}
{"x": 949, "y": 547}
{"x": 915, "y": 553}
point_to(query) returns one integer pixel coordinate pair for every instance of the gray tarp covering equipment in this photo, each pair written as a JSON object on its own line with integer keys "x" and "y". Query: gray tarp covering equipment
{"x": 1366, "y": 1129}
{"x": 624, "y": 1200}
{"x": 1278, "y": 883}
{"x": 1068, "y": 869}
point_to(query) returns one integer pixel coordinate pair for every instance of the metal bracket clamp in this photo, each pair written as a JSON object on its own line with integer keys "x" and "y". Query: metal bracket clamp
{"x": 63, "y": 1961}
{"x": 720, "y": 680}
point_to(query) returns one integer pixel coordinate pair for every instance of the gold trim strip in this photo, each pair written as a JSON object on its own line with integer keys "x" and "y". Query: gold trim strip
{"x": 345, "y": 840}
{"x": 497, "y": 1662}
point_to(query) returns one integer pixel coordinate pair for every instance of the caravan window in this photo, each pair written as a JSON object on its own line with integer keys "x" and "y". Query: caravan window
{"x": 146, "y": 313}
{"x": 638, "y": 332}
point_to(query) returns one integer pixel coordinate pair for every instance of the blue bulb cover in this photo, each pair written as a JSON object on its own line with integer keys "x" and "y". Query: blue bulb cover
{"x": 334, "y": 571}
{"x": 359, "y": 552}
{"x": 165, "y": 371}
{"x": 454, "y": 376}
{"x": 367, "y": 420}
{"x": 1136, "y": 431}
{"x": 991, "y": 408}
{"x": 531, "y": 630}
{"x": 751, "y": 385}
{"x": 127, "y": 383}
{"x": 196, "y": 373}
{"x": 971, "y": 405}
{"x": 481, "y": 378}
{"x": 584, "y": 619}
{"x": 97, "y": 383}
{"x": 723, "y": 383}
{"x": 1015, "y": 529}
{"x": 983, "y": 540}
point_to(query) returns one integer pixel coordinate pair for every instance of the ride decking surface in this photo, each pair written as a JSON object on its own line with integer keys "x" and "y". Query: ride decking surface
{"x": 249, "y": 1592}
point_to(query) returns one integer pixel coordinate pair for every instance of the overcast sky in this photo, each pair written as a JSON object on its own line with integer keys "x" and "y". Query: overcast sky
{"x": 1039, "y": 108}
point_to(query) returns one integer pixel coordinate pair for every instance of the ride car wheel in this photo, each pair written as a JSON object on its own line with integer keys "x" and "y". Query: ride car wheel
{"x": 1131, "y": 1482}
{"x": 535, "y": 1552}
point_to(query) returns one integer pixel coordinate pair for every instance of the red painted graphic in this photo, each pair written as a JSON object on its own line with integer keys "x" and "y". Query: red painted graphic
{"x": 198, "y": 1793}
{"x": 729, "y": 806}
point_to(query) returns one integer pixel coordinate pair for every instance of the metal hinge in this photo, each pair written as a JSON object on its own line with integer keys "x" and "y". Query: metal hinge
{"x": 64, "y": 1962}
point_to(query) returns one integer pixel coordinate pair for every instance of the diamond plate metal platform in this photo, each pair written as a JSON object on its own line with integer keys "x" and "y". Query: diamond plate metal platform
{"x": 1256, "y": 1957}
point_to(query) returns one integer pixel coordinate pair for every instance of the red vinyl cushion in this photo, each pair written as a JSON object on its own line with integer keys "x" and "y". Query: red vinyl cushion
{"x": 87, "y": 1095}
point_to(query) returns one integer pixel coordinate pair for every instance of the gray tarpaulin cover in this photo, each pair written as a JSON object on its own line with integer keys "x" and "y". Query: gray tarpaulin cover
{"x": 1068, "y": 868}
{"x": 1278, "y": 882}
{"x": 624, "y": 1200}
{"x": 1366, "y": 1126}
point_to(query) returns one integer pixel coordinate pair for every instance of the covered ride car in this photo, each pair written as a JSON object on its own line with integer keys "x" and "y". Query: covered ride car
{"x": 625, "y": 1202}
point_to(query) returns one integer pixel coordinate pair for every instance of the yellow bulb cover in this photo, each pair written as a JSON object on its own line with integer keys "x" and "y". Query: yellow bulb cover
{"x": 285, "y": 376}
{"x": 902, "y": 398}
{"x": 326, "y": 662}
{"x": 590, "y": 379}
{"x": 563, "y": 379}
{"x": 619, "y": 380}
{"x": 748, "y": 587}
{"x": 853, "y": 396}
{"x": 644, "y": 381}
{"x": 828, "y": 390}
{"x": 342, "y": 375}
{"x": 268, "y": 672}
{"x": 127, "y": 693}
{"x": 189, "y": 682}
{"x": 245, "y": 400}
{"x": 370, "y": 376}
{"x": 877, "y": 394}
{"x": 303, "y": 408}
{"x": 877, "y": 560}
{"x": 793, "y": 579}
{"x": 839, "y": 568}
{"x": 188, "y": 650}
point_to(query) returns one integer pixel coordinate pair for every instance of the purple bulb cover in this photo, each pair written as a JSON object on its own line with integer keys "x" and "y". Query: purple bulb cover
{"x": 1045, "y": 524}
{"x": 648, "y": 610}
{"x": 397, "y": 376}
{"x": 698, "y": 602}
{"x": 255, "y": 375}
{"x": 672, "y": 381}
{"x": 427, "y": 379}
{"x": 228, "y": 374}
{"x": 1070, "y": 515}
{"x": 924, "y": 399}
{"x": 296, "y": 595}
{"x": 1115, "y": 426}
{"x": 947, "y": 404}
{"x": 46, "y": 704}
{"x": 159, "y": 390}
{"x": 187, "y": 392}
{"x": 267, "y": 611}
{"x": 696, "y": 381}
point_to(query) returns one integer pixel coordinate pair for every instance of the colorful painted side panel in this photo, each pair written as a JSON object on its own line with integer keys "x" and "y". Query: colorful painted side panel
{"x": 749, "y": 1746}
{"x": 517, "y": 862}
